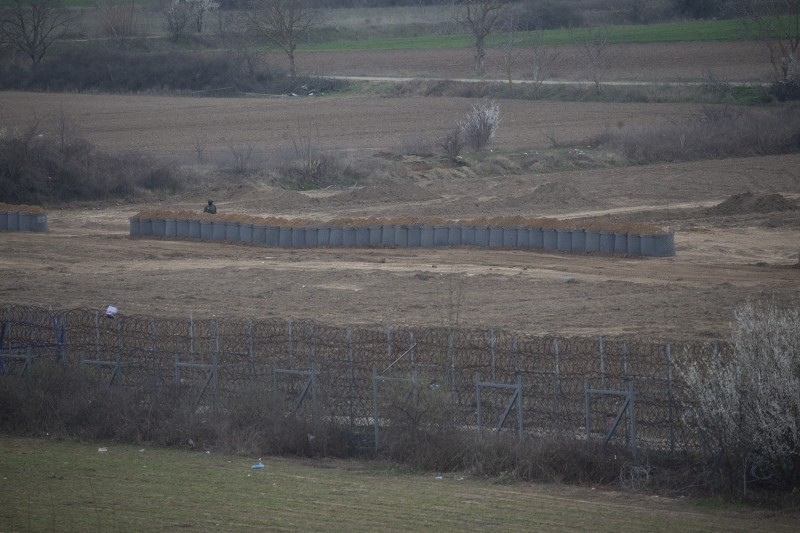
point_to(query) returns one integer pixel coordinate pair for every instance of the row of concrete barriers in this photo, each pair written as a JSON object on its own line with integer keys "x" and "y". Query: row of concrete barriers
{"x": 15, "y": 221}
{"x": 566, "y": 240}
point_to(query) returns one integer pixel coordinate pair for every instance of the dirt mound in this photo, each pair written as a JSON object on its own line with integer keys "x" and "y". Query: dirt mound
{"x": 748, "y": 202}
{"x": 20, "y": 208}
{"x": 277, "y": 200}
{"x": 555, "y": 193}
{"x": 389, "y": 193}
{"x": 550, "y": 194}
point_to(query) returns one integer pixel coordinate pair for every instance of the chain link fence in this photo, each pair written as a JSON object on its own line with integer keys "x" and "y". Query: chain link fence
{"x": 624, "y": 391}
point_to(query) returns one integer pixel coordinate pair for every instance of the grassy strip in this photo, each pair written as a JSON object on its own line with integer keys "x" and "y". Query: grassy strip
{"x": 68, "y": 486}
{"x": 668, "y": 32}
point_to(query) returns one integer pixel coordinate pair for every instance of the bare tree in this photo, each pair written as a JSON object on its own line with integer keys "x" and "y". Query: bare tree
{"x": 481, "y": 18}
{"x": 200, "y": 8}
{"x": 32, "y": 26}
{"x": 511, "y": 52}
{"x": 453, "y": 143}
{"x": 117, "y": 19}
{"x": 199, "y": 143}
{"x": 598, "y": 53}
{"x": 777, "y": 24}
{"x": 480, "y": 124}
{"x": 283, "y": 23}
{"x": 241, "y": 155}
{"x": 543, "y": 58}
{"x": 178, "y": 15}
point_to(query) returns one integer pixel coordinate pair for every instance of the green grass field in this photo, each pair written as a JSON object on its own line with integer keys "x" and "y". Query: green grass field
{"x": 683, "y": 31}
{"x": 68, "y": 486}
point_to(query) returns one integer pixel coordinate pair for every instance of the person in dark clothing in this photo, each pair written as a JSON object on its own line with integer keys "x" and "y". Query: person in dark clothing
{"x": 210, "y": 208}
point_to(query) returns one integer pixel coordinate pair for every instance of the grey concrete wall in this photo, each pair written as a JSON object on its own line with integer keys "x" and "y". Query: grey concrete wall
{"x": 573, "y": 241}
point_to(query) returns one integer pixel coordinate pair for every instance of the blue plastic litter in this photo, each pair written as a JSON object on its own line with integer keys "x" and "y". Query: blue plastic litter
{"x": 258, "y": 466}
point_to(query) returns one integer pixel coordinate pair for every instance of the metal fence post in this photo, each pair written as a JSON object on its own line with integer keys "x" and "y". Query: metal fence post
{"x": 375, "y": 406}
{"x": 587, "y": 414}
{"x": 96, "y": 335}
{"x": 602, "y": 363}
{"x": 478, "y": 399}
{"x": 411, "y": 345}
{"x": 312, "y": 343}
{"x": 670, "y": 398}
{"x": 250, "y": 347}
{"x": 557, "y": 384}
{"x": 624, "y": 361}
{"x": 350, "y": 377}
{"x": 493, "y": 352}
{"x": 632, "y": 418}
{"x": 314, "y": 414}
{"x": 191, "y": 338}
{"x": 153, "y": 351}
{"x": 60, "y": 331}
{"x": 515, "y": 352}
{"x": 290, "y": 338}
{"x": 519, "y": 405}
{"x": 214, "y": 363}
{"x": 389, "y": 336}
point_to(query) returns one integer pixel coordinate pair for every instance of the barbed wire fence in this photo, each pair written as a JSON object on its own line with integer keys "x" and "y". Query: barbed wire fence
{"x": 624, "y": 392}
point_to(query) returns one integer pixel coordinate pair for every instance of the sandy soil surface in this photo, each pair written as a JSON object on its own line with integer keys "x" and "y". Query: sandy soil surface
{"x": 725, "y": 255}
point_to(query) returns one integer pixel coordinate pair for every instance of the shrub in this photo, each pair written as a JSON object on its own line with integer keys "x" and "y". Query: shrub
{"x": 748, "y": 404}
{"x": 480, "y": 125}
{"x": 116, "y": 70}
{"x": 453, "y": 143}
{"x": 36, "y": 168}
{"x": 785, "y": 90}
{"x": 549, "y": 14}
{"x": 715, "y": 132}
{"x": 306, "y": 167}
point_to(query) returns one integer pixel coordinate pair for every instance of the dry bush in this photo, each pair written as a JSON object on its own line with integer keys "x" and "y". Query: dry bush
{"x": 67, "y": 401}
{"x": 304, "y": 167}
{"x": 716, "y": 132}
{"x": 420, "y": 145}
{"x": 77, "y": 401}
{"x": 480, "y": 124}
{"x": 453, "y": 143}
{"x": 60, "y": 400}
{"x": 240, "y": 157}
{"x": 748, "y": 404}
{"x": 421, "y": 431}
{"x": 39, "y": 168}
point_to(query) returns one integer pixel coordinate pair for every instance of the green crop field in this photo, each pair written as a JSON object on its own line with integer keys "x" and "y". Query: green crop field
{"x": 70, "y": 486}
{"x": 684, "y": 31}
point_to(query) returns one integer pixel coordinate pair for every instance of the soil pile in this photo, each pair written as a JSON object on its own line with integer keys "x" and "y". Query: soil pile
{"x": 20, "y": 208}
{"x": 748, "y": 202}
{"x": 389, "y": 193}
{"x": 553, "y": 193}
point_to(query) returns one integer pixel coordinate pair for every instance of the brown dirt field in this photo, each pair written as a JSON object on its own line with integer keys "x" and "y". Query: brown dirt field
{"x": 729, "y": 61}
{"x": 724, "y": 256}
{"x": 169, "y": 125}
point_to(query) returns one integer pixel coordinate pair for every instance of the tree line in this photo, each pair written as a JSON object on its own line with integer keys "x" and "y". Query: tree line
{"x": 32, "y": 27}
